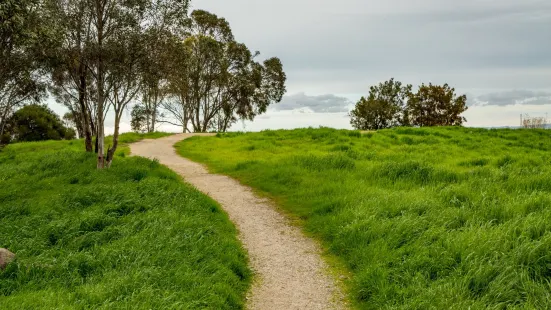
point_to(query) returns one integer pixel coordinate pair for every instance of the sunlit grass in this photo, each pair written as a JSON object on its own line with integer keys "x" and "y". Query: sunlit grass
{"x": 440, "y": 218}
{"x": 130, "y": 237}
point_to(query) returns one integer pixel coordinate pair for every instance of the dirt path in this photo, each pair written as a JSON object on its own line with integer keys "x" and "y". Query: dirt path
{"x": 290, "y": 273}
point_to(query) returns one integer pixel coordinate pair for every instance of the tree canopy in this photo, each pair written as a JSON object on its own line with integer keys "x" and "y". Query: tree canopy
{"x": 383, "y": 108}
{"x": 435, "y": 105}
{"x": 20, "y": 83}
{"x": 392, "y": 104}
{"x": 36, "y": 123}
{"x": 216, "y": 80}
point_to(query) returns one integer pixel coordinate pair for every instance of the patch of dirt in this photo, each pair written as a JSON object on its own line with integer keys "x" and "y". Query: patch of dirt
{"x": 289, "y": 270}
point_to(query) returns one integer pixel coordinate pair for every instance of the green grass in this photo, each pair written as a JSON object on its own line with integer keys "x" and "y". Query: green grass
{"x": 130, "y": 237}
{"x": 439, "y": 218}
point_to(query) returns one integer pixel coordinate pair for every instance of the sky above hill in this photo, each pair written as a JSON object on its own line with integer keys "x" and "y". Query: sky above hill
{"x": 497, "y": 52}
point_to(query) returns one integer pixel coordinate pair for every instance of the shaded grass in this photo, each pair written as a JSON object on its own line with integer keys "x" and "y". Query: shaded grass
{"x": 424, "y": 218}
{"x": 130, "y": 237}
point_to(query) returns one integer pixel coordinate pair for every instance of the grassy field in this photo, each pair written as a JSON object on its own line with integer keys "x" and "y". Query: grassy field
{"x": 130, "y": 237}
{"x": 442, "y": 218}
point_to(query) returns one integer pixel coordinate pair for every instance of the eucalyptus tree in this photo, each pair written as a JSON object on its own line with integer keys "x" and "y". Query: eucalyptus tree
{"x": 111, "y": 20}
{"x": 177, "y": 106}
{"x": 251, "y": 86}
{"x": 20, "y": 81}
{"x": 164, "y": 21}
{"x": 216, "y": 80}
{"x": 129, "y": 56}
{"x": 71, "y": 63}
{"x": 124, "y": 52}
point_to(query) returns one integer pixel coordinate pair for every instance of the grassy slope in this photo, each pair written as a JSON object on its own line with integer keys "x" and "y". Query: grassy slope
{"x": 443, "y": 218}
{"x": 131, "y": 237}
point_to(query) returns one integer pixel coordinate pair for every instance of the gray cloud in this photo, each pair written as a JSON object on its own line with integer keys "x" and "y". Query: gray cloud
{"x": 507, "y": 98}
{"x": 343, "y": 46}
{"x": 318, "y": 104}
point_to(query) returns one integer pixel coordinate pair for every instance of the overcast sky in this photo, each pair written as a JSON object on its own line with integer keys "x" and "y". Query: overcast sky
{"x": 497, "y": 52}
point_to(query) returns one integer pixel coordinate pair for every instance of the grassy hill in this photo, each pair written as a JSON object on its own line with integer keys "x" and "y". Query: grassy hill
{"x": 130, "y": 237}
{"x": 440, "y": 218}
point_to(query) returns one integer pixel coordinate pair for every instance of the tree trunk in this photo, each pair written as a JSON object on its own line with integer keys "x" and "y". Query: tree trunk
{"x": 154, "y": 111}
{"x": 2, "y": 131}
{"x": 2, "y": 126}
{"x": 83, "y": 109}
{"x": 3, "y": 123}
{"x": 100, "y": 77}
{"x": 197, "y": 128}
{"x": 111, "y": 151}
{"x": 147, "y": 104}
{"x": 227, "y": 119}
{"x": 100, "y": 138}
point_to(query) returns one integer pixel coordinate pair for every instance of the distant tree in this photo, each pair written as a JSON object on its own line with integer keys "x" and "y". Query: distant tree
{"x": 383, "y": 108}
{"x": 435, "y": 105}
{"x": 71, "y": 120}
{"x": 37, "y": 123}
{"x": 70, "y": 134}
{"x": 139, "y": 118}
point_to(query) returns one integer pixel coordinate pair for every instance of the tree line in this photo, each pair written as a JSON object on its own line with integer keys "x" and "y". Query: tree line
{"x": 391, "y": 104}
{"x": 98, "y": 57}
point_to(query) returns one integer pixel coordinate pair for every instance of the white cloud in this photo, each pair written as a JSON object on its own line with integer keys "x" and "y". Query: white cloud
{"x": 514, "y": 97}
{"x": 328, "y": 103}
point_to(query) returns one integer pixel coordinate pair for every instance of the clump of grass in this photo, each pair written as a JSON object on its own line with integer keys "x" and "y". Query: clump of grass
{"x": 321, "y": 163}
{"x": 424, "y": 218}
{"x": 133, "y": 236}
{"x": 475, "y": 162}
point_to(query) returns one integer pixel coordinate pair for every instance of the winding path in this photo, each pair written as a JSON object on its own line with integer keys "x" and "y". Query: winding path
{"x": 290, "y": 274}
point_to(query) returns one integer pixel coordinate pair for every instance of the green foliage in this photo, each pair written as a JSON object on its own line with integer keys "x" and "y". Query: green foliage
{"x": 140, "y": 116}
{"x": 424, "y": 218}
{"x": 390, "y": 104}
{"x": 383, "y": 108}
{"x": 37, "y": 123}
{"x": 209, "y": 53}
{"x": 132, "y": 236}
{"x": 70, "y": 134}
{"x": 20, "y": 24}
{"x": 434, "y": 105}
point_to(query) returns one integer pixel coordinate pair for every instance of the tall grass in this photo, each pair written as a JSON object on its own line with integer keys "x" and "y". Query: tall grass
{"x": 431, "y": 218}
{"x": 130, "y": 237}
